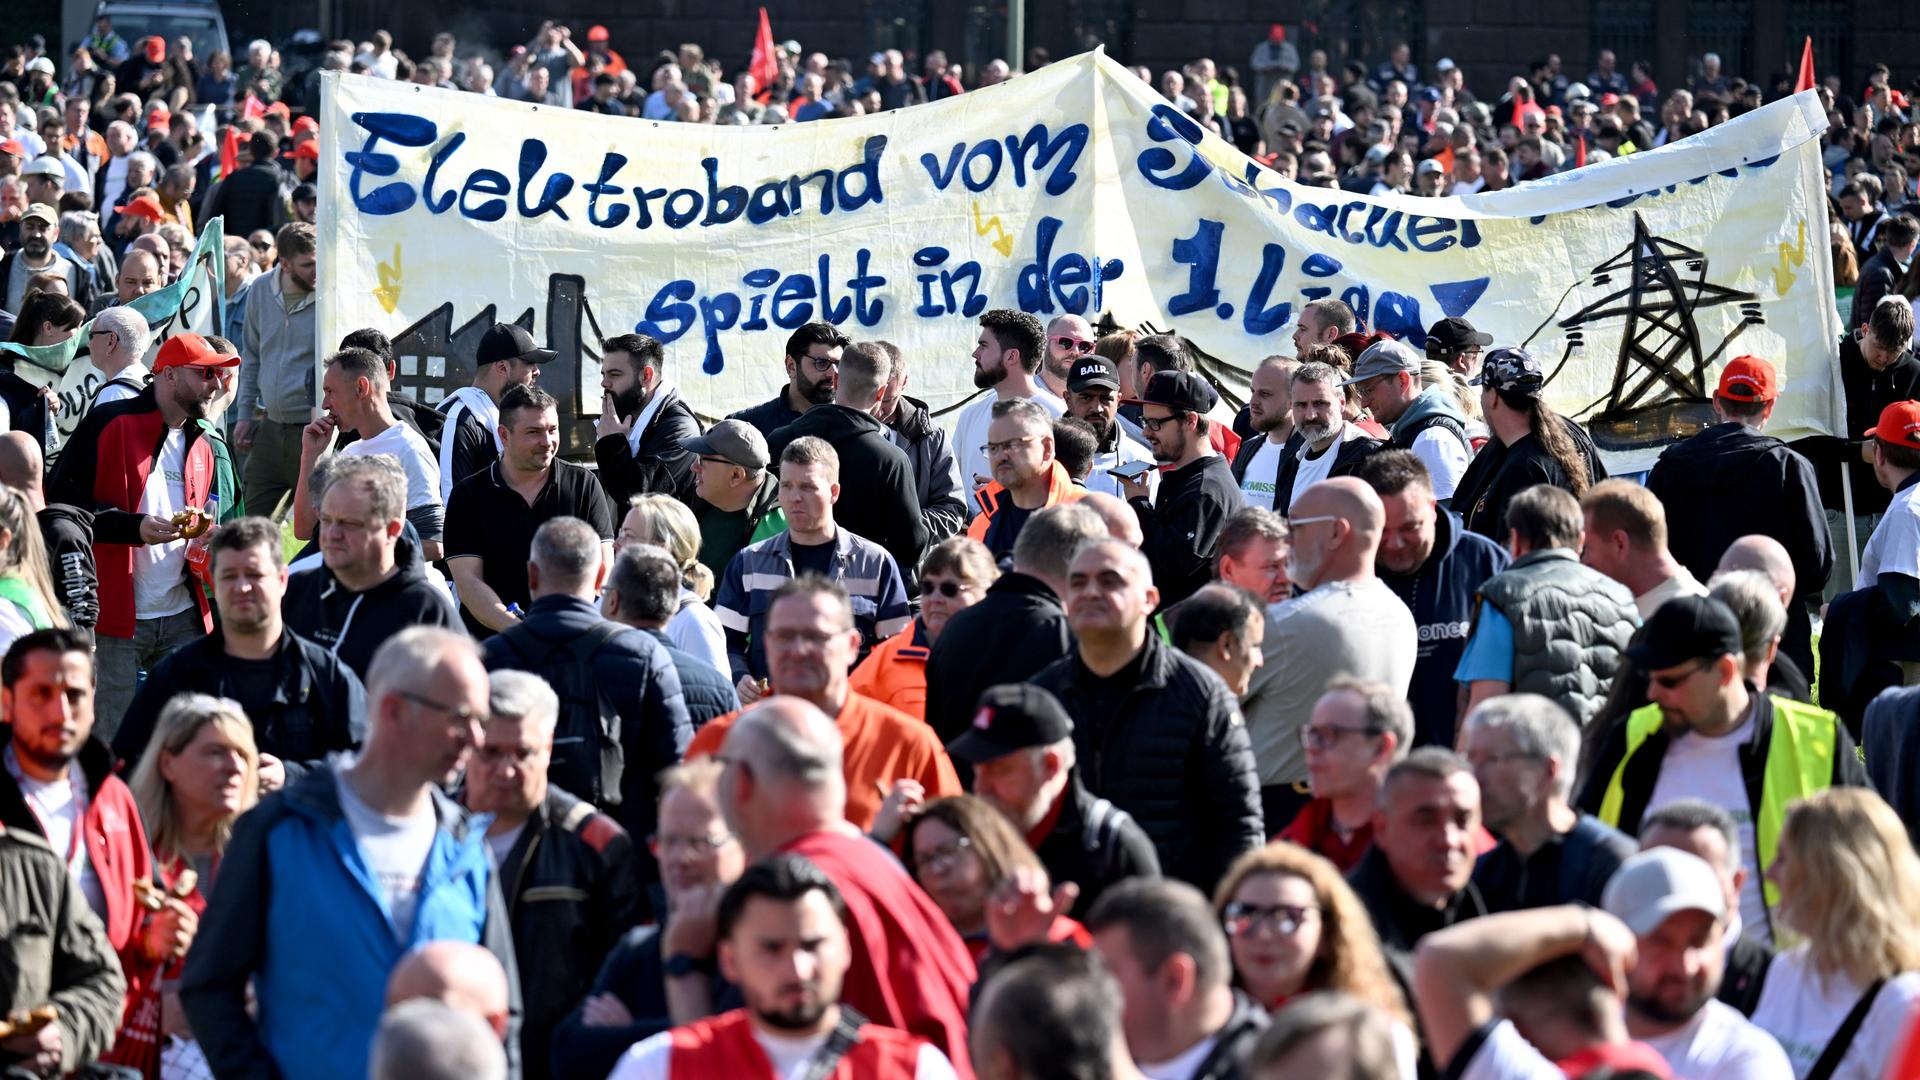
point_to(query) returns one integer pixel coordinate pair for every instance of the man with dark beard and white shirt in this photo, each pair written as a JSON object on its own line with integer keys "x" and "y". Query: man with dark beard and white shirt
{"x": 1093, "y": 390}
{"x": 1007, "y": 360}
{"x": 1270, "y": 413}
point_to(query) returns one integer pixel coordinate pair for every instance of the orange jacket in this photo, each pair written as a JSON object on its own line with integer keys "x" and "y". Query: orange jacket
{"x": 878, "y": 746}
{"x": 1060, "y": 489}
{"x": 895, "y": 672}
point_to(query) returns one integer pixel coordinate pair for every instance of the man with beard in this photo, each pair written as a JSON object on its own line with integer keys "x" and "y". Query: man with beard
{"x": 35, "y": 255}
{"x": 1322, "y": 322}
{"x": 1424, "y": 420}
{"x": 137, "y": 464}
{"x": 936, "y": 476}
{"x": 304, "y": 703}
{"x": 1181, "y": 525}
{"x": 1329, "y": 444}
{"x": 1026, "y": 476}
{"x": 470, "y": 440}
{"x": 1070, "y": 339}
{"x": 813, "y": 365}
{"x": 1436, "y": 567}
{"x": 1672, "y": 902}
{"x": 783, "y": 941}
{"x": 1093, "y": 386}
{"x": 643, "y": 420}
{"x": 1270, "y": 415}
{"x": 1006, "y": 359}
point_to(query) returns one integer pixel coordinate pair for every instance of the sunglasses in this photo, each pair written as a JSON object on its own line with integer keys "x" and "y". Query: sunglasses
{"x": 1074, "y": 344}
{"x": 262, "y": 247}
{"x": 948, "y": 589}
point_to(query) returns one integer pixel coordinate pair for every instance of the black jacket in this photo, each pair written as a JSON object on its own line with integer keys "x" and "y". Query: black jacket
{"x": 1017, "y": 628}
{"x": 1181, "y": 529}
{"x": 704, "y": 687}
{"x": 1746, "y": 974}
{"x": 26, "y": 403}
{"x": 318, "y": 706}
{"x": 1094, "y": 844}
{"x": 662, "y": 465}
{"x": 1175, "y": 756}
{"x": 1729, "y": 481}
{"x": 654, "y": 729}
{"x": 250, "y": 199}
{"x": 1252, "y": 444}
{"x": 1402, "y": 921}
{"x": 1232, "y": 1041}
{"x": 1867, "y": 392}
{"x": 936, "y": 477}
{"x": 633, "y": 973}
{"x": 571, "y": 894}
{"x": 877, "y": 496}
{"x": 67, "y": 532}
{"x": 1348, "y": 455}
{"x": 769, "y": 416}
{"x": 1499, "y": 472}
{"x": 353, "y": 625}
{"x": 1571, "y": 868}
{"x": 1879, "y": 276}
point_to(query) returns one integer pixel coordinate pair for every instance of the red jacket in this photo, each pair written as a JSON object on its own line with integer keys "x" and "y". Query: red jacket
{"x": 116, "y": 848}
{"x": 104, "y": 468}
{"x": 910, "y": 969}
{"x": 724, "y": 1046}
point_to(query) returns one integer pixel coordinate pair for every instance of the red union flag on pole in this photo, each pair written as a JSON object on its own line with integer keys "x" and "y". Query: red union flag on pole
{"x": 765, "y": 66}
{"x": 1805, "y": 82}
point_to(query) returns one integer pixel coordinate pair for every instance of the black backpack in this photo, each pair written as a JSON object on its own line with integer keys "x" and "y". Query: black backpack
{"x": 587, "y": 756}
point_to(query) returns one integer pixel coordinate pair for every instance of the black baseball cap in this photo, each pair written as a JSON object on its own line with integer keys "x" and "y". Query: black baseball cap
{"x": 1683, "y": 629}
{"x": 1093, "y": 371}
{"x": 1012, "y": 716}
{"x": 1453, "y": 335}
{"x": 510, "y": 341}
{"x": 1182, "y": 390}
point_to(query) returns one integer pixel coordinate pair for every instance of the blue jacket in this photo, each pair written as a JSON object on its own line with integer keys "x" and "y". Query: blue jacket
{"x": 1440, "y": 594}
{"x": 706, "y": 689}
{"x": 297, "y": 912}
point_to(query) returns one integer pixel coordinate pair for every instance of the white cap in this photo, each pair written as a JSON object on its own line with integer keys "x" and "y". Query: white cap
{"x": 1661, "y": 882}
{"x": 1446, "y": 64}
{"x": 41, "y": 63}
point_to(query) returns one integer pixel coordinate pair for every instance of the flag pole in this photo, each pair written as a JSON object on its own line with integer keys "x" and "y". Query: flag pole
{"x": 1853, "y": 539}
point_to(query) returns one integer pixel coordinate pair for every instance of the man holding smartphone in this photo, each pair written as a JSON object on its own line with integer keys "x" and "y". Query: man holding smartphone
{"x": 1093, "y": 391}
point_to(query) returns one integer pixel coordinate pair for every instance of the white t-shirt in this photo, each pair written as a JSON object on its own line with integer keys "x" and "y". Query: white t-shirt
{"x": 1679, "y": 585}
{"x": 160, "y": 570}
{"x": 395, "y": 850}
{"x": 1697, "y": 767}
{"x": 1445, "y": 457}
{"x": 696, "y": 630}
{"x": 1256, "y": 484}
{"x": 1803, "y": 1012}
{"x": 652, "y": 1058}
{"x": 1505, "y": 1055}
{"x": 970, "y": 434}
{"x": 1894, "y": 547}
{"x": 1719, "y": 1044}
{"x": 135, "y": 373}
{"x": 61, "y": 808}
{"x": 1314, "y": 469}
{"x": 415, "y": 457}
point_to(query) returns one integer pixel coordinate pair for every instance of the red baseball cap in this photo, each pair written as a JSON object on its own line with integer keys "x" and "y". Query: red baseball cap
{"x": 191, "y": 350}
{"x": 156, "y": 49}
{"x": 146, "y": 206}
{"x": 1899, "y": 424}
{"x": 305, "y": 123}
{"x": 597, "y": 33}
{"x": 309, "y": 150}
{"x": 12, "y": 146}
{"x": 159, "y": 117}
{"x": 1748, "y": 378}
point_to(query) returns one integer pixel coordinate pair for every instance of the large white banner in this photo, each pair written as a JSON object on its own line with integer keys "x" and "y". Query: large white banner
{"x": 1073, "y": 189}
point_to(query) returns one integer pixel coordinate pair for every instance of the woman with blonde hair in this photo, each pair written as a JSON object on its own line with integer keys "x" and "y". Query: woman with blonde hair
{"x": 27, "y": 599}
{"x": 1294, "y": 927}
{"x": 200, "y": 772}
{"x": 954, "y": 575}
{"x": 667, "y": 523}
{"x": 960, "y": 849}
{"x": 1838, "y": 1000}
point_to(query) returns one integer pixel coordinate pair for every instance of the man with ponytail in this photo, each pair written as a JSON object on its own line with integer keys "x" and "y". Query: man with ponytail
{"x": 1530, "y": 444}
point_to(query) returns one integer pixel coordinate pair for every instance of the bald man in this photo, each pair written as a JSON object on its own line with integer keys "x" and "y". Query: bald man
{"x": 1154, "y": 731}
{"x": 1346, "y": 621}
{"x": 141, "y": 272}
{"x": 1069, "y": 338}
{"x": 1771, "y": 557}
{"x": 1121, "y": 522}
{"x": 67, "y": 531}
{"x": 783, "y": 791}
{"x": 459, "y": 973}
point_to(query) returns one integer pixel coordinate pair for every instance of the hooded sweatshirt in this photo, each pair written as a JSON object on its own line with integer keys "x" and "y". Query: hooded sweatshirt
{"x": 1434, "y": 428}
{"x": 877, "y": 497}
{"x": 68, "y": 534}
{"x": 353, "y": 625}
{"x": 1440, "y": 594}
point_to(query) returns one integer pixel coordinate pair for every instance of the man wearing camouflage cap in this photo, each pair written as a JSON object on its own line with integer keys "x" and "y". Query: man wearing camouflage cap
{"x": 1529, "y": 444}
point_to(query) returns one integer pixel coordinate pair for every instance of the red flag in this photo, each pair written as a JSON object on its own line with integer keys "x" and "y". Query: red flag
{"x": 230, "y": 152}
{"x": 1580, "y": 153}
{"x": 1805, "y": 81}
{"x": 765, "y": 66}
{"x": 252, "y": 109}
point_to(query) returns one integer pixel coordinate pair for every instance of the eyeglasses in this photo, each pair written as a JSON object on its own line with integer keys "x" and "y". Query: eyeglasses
{"x": 993, "y": 448}
{"x": 1673, "y": 682}
{"x": 1239, "y": 920}
{"x": 1324, "y": 736}
{"x": 948, "y": 589}
{"x": 712, "y": 460}
{"x": 823, "y": 364}
{"x": 461, "y": 713}
{"x": 1155, "y": 423}
{"x": 687, "y": 845}
{"x": 1074, "y": 344}
{"x": 941, "y": 859}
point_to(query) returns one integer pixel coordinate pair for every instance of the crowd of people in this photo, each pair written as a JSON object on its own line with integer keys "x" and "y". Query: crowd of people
{"x": 1104, "y": 731}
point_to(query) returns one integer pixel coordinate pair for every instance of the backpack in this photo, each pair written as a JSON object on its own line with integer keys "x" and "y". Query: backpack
{"x": 588, "y": 759}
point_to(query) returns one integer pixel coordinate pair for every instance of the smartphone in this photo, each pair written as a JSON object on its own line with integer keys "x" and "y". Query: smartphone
{"x": 1131, "y": 470}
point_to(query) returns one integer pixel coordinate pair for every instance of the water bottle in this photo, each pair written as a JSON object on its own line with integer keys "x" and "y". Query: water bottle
{"x": 197, "y": 546}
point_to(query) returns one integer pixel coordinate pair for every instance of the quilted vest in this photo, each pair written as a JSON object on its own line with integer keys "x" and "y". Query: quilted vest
{"x": 1570, "y": 623}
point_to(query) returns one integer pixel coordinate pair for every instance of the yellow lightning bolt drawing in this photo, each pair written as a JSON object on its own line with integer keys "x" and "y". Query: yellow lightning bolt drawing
{"x": 1790, "y": 257}
{"x": 1004, "y": 244}
{"x": 389, "y": 291}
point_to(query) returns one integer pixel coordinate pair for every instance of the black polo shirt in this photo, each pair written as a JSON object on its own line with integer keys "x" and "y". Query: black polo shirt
{"x": 488, "y": 519}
